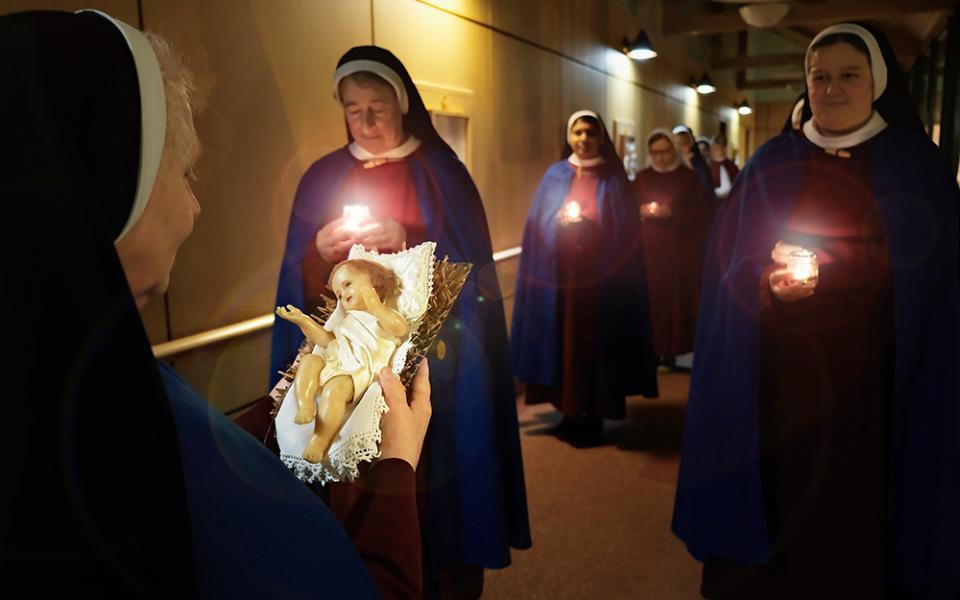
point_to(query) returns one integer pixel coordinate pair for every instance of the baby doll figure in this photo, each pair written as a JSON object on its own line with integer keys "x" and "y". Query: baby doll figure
{"x": 357, "y": 341}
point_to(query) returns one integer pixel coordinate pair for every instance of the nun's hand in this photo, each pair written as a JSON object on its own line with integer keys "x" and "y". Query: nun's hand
{"x": 333, "y": 241}
{"x": 655, "y": 210}
{"x": 404, "y": 426}
{"x": 788, "y": 289}
{"x": 782, "y": 251}
{"x": 384, "y": 234}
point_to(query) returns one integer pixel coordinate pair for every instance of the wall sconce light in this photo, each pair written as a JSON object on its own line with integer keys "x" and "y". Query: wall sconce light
{"x": 640, "y": 48}
{"x": 743, "y": 108}
{"x": 704, "y": 85}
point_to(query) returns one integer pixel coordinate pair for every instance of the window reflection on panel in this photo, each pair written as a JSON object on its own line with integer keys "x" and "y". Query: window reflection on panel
{"x": 453, "y": 129}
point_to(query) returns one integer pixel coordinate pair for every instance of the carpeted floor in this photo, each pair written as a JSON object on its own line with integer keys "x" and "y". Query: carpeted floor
{"x": 601, "y": 516}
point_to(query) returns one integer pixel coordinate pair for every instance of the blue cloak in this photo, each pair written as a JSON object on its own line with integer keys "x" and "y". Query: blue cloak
{"x": 477, "y": 507}
{"x": 719, "y": 510}
{"x": 624, "y": 347}
{"x": 257, "y": 531}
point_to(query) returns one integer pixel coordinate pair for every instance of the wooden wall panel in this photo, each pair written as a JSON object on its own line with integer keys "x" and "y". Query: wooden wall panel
{"x": 266, "y": 68}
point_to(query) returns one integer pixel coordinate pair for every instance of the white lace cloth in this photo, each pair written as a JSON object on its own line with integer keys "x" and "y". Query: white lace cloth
{"x": 359, "y": 438}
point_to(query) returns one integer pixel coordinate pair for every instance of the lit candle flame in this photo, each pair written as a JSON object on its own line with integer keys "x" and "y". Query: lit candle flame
{"x": 354, "y": 214}
{"x": 571, "y": 211}
{"x": 803, "y": 266}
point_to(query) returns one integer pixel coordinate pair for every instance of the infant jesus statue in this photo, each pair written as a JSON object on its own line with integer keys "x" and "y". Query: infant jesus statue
{"x": 357, "y": 341}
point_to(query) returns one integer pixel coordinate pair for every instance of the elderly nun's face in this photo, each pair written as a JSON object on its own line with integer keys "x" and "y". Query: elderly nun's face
{"x": 584, "y": 139}
{"x": 149, "y": 249}
{"x": 373, "y": 115}
{"x": 840, "y": 86}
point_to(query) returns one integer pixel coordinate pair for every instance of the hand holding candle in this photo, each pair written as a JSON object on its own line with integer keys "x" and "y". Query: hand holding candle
{"x": 333, "y": 241}
{"x": 655, "y": 210}
{"x": 798, "y": 274}
{"x": 354, "y": 215}
{"x": 570, "y": 213}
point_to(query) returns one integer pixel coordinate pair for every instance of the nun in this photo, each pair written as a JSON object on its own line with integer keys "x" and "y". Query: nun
{"x": 723, "y": 169}
{"x": 674, "y": 223}
{"x": 820, "y": 452}
{"x": 693, "y": 155}
{"x": 703, "y": 146}
{"x": 120, "y": 480}
{"x": 397, "y": 169}
{"x": 581, "y": 332}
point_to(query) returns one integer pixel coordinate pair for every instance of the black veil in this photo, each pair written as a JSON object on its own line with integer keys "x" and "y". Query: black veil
{"x": 94, "y": 500}
{"x": 895, "y": 105}
{"x": 417, "y": 120}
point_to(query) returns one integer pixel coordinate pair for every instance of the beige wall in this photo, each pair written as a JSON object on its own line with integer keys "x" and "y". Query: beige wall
{"x": 517, "y": 69}
{"x": 766, "y": 122}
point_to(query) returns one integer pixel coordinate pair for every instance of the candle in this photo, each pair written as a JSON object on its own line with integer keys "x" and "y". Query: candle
{"x": 571, "y": 212}
{"x": 803, "y": 266}
{"x": 354, "y": 214}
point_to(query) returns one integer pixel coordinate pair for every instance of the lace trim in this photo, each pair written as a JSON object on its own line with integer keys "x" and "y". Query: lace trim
{"x": 344, "y": 457}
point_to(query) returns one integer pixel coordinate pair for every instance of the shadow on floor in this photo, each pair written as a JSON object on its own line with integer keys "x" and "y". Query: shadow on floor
{"x": 652, "y": 425}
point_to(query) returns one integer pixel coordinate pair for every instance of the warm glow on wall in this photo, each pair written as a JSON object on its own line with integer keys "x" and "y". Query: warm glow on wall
{"x": 618, "y": 64}
{"x": 691, "y": 109}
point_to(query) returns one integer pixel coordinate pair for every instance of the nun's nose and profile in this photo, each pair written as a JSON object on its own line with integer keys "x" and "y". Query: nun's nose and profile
{"x": 817, "y": 287}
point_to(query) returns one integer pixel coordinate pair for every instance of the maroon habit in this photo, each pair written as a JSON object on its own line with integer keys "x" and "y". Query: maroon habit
{"x": 728, "y": 165}
{"x": 389, "y": 192}
{"x": 674, "y": 252}
{"x": 824, "y": 398}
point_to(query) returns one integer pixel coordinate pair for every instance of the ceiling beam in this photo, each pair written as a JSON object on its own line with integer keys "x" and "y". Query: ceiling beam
{"x": 802, "y": 14}
{"x": 789, "y": 59}
{"x": 794, "y": 35}
{"x": 767, "y": 84}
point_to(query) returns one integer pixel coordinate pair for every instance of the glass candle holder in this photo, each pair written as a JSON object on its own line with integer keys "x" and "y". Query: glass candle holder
{"x": 571, "y": 212}
{"x": 354, "y": 215}
{"x": 803, "y": 267}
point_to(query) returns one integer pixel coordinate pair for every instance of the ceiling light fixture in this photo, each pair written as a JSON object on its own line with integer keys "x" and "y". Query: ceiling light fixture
{"x": 764, "y": 14}
{"x": 704, "y": 85}
{"x": 640, "y": 48}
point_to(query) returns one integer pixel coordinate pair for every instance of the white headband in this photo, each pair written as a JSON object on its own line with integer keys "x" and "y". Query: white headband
{"x": 878, "y": 67}
{"x": 580, "y": 113}
{"x": 679, "y": 159}
{"x": 377, "y": 68}
{"x": 153, "y": 115}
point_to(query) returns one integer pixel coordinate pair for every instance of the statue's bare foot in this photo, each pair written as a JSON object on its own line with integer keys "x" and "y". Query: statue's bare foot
{"x": 315, "y": 450}
{"x": 305, "y": 413}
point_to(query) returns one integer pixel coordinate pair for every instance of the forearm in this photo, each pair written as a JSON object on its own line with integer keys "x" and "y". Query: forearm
{"x": 314, "y": 333}
{"x": 392, "y": 322}
{"x": 380, "y": 514}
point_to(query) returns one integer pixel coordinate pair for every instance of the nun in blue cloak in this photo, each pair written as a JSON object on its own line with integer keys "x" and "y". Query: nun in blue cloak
{"x": 696, "y": 160}
{"x": 821, "y": 451}
{"x": 120, "y": 480}
{"x": 581, "y": 326}
{"x": 416, "y": 189}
